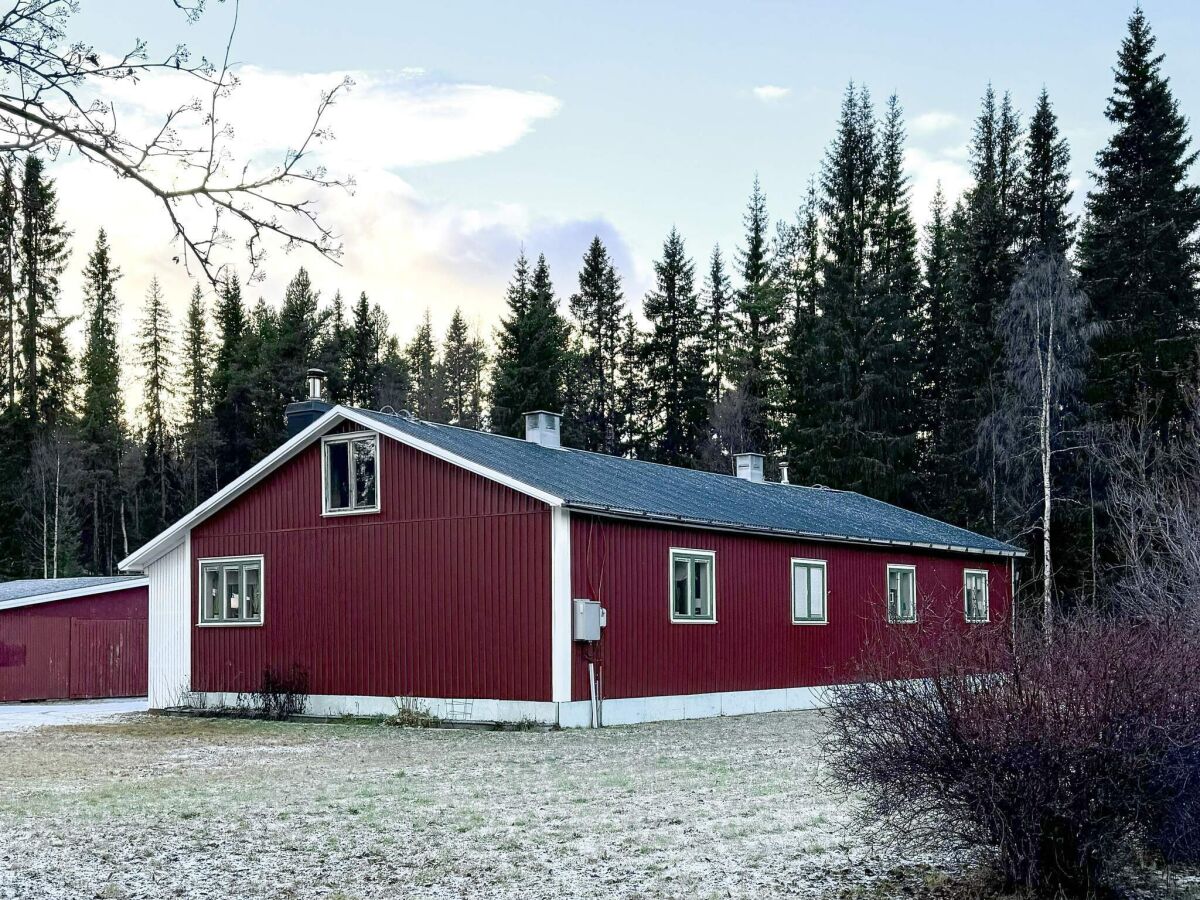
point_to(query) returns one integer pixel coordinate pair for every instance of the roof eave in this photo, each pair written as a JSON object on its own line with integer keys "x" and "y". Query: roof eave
{"x": 91, "y": 590}
{"x": 616, "y": 512}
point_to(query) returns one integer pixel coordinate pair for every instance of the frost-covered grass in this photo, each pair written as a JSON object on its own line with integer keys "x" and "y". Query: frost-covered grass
{"x": 166, "y": 807}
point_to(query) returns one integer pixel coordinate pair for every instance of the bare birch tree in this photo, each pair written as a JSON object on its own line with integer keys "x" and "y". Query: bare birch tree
{"x": 55, "y": 98}
{"x": 1045, "y": 328}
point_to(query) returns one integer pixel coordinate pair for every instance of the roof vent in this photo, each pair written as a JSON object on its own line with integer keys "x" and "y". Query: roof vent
{"x": 316, "y": 384}
{"x": 783, "y": 473}
{"x": 299, "y": 414}
{"x": 543, "y": 427}
{"x": 748, "y": 466}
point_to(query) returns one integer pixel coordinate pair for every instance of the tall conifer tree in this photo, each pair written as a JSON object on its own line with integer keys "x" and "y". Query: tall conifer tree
{"x": 156, "y": 351}
{"x": 717, "y": 310}
{"x": 1138, "y": 254}
{"x": 198, "y": 427}
{"x": 597, "y": 308}
{"x": 1046, "y": 225}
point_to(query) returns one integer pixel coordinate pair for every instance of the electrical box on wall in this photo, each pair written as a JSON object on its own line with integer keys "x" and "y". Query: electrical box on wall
{"x": 590, "y": 617}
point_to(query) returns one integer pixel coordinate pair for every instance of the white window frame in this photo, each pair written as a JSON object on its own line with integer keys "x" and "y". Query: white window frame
{"x": 711, "y": 556}
{"x": 809, "y": 564}
{"x": 887, "y": 587}
{"x": 346, "y": 438}
{"x": 223, "y": 562}
{"x": 987, "y": 598}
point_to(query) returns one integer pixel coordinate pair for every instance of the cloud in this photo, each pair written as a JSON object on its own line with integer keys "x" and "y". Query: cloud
{"x": 926, "y": 170}
{"x": 771, "y": 93}
{"x": 933, "y": 121}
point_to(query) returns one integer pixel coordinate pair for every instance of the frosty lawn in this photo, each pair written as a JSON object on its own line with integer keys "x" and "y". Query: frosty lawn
{"x": 166, "y": 807}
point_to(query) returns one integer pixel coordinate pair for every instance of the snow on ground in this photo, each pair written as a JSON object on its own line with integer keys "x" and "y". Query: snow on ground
{"x": 149, "y": 807}
{"x": 22, "y": 716}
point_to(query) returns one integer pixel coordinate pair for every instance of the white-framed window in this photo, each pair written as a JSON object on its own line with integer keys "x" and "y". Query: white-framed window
{"x": 231, "y": 591}
{"x": 809, "y": 592}
{"x": 976, "y": 605}
{"x": 350, "y": 473}
{"x": 902, "y": 593}
{"x": 693, "y": 585}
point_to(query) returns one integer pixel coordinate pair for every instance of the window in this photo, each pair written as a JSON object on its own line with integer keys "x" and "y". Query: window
{"x": 975, "y": 595}
{"x": 808, "y": 592}
{"x": 351, "y": 473}
{"x": 693, "y": 586}
{"x": 902, "y": 593}
{"x": 231, "y": 591}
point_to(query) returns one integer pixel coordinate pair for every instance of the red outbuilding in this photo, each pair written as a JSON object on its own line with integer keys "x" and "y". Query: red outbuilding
{"x": 73, "y": 638}
{"x": 492, "y": 578}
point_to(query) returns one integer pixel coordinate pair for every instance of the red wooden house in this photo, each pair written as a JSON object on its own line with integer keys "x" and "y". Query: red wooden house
{"x": 493, "y": 578}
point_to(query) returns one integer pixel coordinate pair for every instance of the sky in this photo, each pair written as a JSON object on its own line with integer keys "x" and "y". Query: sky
{"x": 476, "y": 129}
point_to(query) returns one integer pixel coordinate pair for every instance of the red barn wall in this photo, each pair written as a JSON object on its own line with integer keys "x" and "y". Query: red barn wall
{"x": 81, "y": 648}
{"x": 443, "y": 593}
{"x": 753, "y": 645}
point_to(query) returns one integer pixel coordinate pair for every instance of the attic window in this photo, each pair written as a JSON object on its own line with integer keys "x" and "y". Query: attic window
{"x": 231, "y": 591}
{"x": 350, "y": 474}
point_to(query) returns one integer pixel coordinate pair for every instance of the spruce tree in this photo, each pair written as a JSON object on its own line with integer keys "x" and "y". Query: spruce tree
{"x": 333, "y": 355}
{"x": 800, "y": 277}
{"x": 716, "y": 309}
{"x": 232, "y": 383}
{"x": 532, "y": 350}
{"x": 42, "y": 249}
{"x": 101, "y": 426}
{"x": 633, "y": 402}
{"x": 155, "y": 354}
{"x": 756, "y": 323}
{"x": 301, "y": 325}
{"x": 464, "y": 357}
{"x": 840, "y": 455}
{"x": 10, "y": 305}
{"x": 1046, "y": 226}
{"x": 598, "y": 312}
{"x": 363, "y": 367}
{"x": 674, "y": 355}
{"x": 1138, "y": 254}
{"x": 198, "y": 426}
{"x": 427, "y": 398}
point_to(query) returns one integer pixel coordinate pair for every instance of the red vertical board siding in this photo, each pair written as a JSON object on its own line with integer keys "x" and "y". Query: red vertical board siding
{"x": 753, "y": 645}
{"x": 86, "y": 647}
{"x": 443, "y": 593}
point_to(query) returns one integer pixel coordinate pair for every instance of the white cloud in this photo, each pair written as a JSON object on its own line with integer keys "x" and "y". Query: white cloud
{"x": 771, "y": 93}
{"x": 926, "y": 171}
{"x": 405, "y": 250}
{"x": 933, "y": 122}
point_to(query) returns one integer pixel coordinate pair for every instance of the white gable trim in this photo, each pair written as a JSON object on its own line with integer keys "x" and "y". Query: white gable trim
{"x": 72, "y": 593}
{"x": 175, "y": 534}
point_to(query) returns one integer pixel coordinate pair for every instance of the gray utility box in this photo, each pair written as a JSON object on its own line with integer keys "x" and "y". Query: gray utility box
{"x": 589, "y": 618}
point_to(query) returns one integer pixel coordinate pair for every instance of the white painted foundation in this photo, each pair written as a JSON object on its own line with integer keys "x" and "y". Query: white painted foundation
{"x": 568, "y": 714}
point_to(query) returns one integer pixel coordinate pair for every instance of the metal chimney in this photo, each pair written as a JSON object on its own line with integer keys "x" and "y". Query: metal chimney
{"x": 783, "y": 466}
{"x": 299, "y": 414}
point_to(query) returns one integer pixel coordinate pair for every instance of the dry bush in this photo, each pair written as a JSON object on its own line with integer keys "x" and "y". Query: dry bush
{"x": 282, "y": 695}
{"x": 1057, "y": 762}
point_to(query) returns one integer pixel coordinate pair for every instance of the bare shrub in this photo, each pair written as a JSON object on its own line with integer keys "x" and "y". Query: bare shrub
{"x": 412, "y": 714}
{"x": 282, "y": 695}
{"x": 1055, "y": 761}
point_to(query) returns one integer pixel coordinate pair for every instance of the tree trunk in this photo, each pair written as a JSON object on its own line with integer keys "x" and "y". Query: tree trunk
{"x": 1044, "y": 428}
{"x": 57, "y": 489}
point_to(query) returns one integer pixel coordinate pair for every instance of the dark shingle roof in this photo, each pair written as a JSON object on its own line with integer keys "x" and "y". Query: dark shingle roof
{"x": 39, "y": 587}
{"x": 594, "y": 481}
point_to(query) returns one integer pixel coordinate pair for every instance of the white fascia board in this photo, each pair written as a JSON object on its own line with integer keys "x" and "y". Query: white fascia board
{"x": 416, "y": 443}
{"x": 73, "y": 593}
{"x": 175, "y": 534}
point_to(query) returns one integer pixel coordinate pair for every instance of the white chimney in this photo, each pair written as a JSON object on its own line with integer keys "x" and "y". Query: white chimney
{"x": 783, "y": 473}
{"x": 748, "y": 466}
{"x": 542, "y": 427}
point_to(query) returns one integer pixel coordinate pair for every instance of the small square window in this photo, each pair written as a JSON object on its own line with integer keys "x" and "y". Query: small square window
{"x": 350, "y": 474}
{"x": 902, "y": 593}
{"x": 809, "y": 592}
{"x": 231, "y": 591}
{"x": 976, "y": 605}
{"x": 693, "y": 586}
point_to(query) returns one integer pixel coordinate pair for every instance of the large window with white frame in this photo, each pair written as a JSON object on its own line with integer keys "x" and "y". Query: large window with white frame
{"x": 693, "y": 586}
{"x": 350, "y": 473}
{"x": 902, "y": 593}
{"x": 231, "y": 591}
{"x": 976, "y": 606}
{"x": 809, "y": 592}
